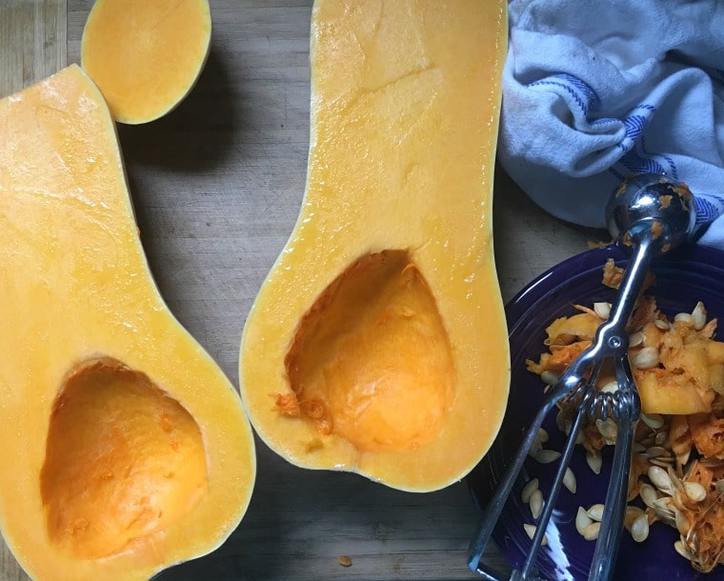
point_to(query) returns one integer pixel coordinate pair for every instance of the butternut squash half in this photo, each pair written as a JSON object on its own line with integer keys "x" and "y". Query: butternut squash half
{"x": 145, "y": 55}
{"x": 378, "y": 343}
{"x": 125, "y": 449}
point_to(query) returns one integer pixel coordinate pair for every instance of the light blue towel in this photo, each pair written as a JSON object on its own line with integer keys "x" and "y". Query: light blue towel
{"x": 597, "y": 90}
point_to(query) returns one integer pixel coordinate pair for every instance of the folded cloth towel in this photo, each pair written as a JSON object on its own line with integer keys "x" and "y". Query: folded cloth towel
{"x": 595, "y": 91}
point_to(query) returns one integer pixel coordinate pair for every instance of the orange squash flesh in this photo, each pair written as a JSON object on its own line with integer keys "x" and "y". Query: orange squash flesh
{"x": 145, "y": 55}
{"x": 125, "y": 449}
{"x": 378, "y": 342}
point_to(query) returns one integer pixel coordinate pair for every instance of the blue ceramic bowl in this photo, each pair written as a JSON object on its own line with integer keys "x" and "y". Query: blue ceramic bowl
{"x": 692, "y": 273}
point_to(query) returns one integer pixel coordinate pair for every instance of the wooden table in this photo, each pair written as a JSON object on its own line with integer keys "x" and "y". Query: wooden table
{"x": 217, "y": 186}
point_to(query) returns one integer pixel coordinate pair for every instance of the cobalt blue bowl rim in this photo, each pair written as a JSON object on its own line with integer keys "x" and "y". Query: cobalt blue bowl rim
{"x": 518, "y": 309}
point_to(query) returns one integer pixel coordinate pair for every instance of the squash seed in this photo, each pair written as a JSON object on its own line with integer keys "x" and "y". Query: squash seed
{"x": 648, "y": 494}
{"x": 544, "y": 456}
{"x": 536, "y": 503}
{"x": 590, "y": 533}
{"x": 542, "y": 436}
{"x": 344, "y": 561}
{"x": 698, "y": 316}
{"x": 611, "y": 387}
{"x": 594, "y": 461}
{"x": 636, "y": 339}
{"x": 631, "y": 514}
{"x": 683, "y": 458}
{"x": 695, "y": 491}
{"x": 530, "y": 531}
{"x": 596, "y": 512}
{"x": 647, "y": 358}
{"x": 653, "y": 421}
{"x": 528, "y": 490}
{"x": 662, "y": 324}
{"x": 569, "y": 480}
{"x": 660, "y": 479}
{"x": 680, "y": 548}
{"x": 663, "y": 510}
{"x": 640, "y": 529}
{"x": 657, "y": 451}
{"x": 582, "y": 520}
{"x": 535, "y": 447}
{"x": 607, "y": 428}
{"x": 549, "y": 377}
{"x": 684, "y": 318}
{"x": 682, "y": 521}
{"x": 603, "y": 310}
{"x": 663, "y": 504}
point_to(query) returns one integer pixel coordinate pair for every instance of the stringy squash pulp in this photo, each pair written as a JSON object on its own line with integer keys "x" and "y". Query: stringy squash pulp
{"x": 378, "y": 342}
{"x": 125, "y": 449}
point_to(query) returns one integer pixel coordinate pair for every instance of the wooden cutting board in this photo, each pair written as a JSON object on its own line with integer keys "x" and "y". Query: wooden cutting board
{"x": 217, "y": 186}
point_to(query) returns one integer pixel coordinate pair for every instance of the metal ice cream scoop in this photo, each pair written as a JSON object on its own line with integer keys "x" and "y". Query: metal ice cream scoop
{"x": 651, "y": 215}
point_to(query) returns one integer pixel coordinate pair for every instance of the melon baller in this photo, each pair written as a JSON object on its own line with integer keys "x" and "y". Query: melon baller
{"x": 651, "y": 215}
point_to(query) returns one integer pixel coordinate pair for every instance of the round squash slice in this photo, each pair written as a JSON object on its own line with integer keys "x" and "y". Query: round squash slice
{"x": 145, "y": 55}
{"x": 125, "y": 448}
{"x": 378, "y": 342}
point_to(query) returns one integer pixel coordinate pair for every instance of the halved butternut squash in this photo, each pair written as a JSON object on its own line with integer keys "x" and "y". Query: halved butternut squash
{"x": 125, "y": 449}
{"x": 145, "y": 55}
{"x": 378, "y": 343}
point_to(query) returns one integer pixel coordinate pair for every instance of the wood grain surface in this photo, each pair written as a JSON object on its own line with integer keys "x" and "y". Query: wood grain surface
{"x": 217, "y": 186}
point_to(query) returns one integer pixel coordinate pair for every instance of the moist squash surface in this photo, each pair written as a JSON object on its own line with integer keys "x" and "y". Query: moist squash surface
{"x": 125, "y": 449}
{"x": 378, "y": 343}
{"x": 145, "y": 55}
